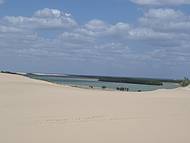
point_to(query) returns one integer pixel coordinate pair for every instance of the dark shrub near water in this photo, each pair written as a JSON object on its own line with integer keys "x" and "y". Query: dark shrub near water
{"x": 122, "y": 89}
{"x": 104, "y": 87}
{"x": 185, "y": 82}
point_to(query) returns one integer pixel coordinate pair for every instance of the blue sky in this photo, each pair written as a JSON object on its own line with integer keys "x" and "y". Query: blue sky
{"x": 145, "y": 38}
{"x": 82, "y": 10}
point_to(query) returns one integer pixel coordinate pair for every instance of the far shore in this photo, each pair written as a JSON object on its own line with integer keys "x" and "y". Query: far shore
{"x": 107, "y": 79}
{"x": 95, "y": 88}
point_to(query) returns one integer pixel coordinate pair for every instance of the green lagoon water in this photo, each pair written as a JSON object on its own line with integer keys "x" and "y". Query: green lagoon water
{"x": 86, "y": 82}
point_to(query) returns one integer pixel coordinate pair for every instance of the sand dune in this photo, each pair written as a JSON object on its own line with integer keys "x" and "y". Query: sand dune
{"x": 35, "y": 111}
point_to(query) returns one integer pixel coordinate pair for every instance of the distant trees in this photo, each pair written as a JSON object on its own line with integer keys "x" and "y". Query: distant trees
{"x": 146, "y": 81}
{"x": 185, "y": 82}
{"x": 8, "y": 72}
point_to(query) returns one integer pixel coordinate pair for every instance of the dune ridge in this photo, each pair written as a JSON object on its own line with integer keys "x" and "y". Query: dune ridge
{"x": 42, "y": 112}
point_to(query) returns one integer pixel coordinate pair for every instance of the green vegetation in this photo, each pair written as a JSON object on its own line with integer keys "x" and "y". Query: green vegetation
{"x": 185, "y": 82}
{"x": 122, "y": 89}
{"x": 8, "y": 72}
{"x": 146, "y": 81}
{"x": 131, "y": 80}
{"x": 104, "y": 87}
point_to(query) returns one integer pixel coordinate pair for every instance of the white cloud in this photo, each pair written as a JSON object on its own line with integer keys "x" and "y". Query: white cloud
{"x": 166, "y": 20}
{"x": 164, "y": 14}
{"x": 7, "y": 29}
{"x": 96, "y": 25}
{"x": 51, "y": 13}
{"x": 45, "y": 18}
{"x": 148, "y": 34}
{"x": 161, "y": 2}
{"x": 101, "y": 30}
{"x": 76, "y": 39}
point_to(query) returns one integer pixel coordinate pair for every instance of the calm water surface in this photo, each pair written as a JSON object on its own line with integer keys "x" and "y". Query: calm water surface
{"x": 86, "y": 82}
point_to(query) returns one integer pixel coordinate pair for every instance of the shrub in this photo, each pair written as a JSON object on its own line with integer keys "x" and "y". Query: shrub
{"x": 185, "y": 82}
{"x": 103, "y": 87}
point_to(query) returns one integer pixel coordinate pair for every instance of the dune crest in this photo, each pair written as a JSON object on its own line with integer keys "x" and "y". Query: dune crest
{"x": 41, "y": 112}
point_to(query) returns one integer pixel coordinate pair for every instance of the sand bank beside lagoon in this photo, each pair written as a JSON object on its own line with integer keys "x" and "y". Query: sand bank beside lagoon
{"x": 34, "y": 111}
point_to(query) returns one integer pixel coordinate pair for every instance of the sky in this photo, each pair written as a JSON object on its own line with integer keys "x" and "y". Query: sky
{"x": 138, "y": 38}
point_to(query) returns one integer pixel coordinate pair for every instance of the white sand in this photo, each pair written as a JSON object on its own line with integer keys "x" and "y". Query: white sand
{"x": 34, "y": 111}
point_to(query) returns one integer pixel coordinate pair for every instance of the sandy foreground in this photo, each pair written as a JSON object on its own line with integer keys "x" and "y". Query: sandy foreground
{"x": 33, "y": 111}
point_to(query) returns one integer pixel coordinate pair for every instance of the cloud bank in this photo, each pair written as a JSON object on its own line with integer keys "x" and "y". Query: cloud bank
{"x": 160, "y": 39}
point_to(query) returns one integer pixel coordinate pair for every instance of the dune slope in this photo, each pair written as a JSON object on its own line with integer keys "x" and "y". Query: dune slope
{"x": 34, "y": 111}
